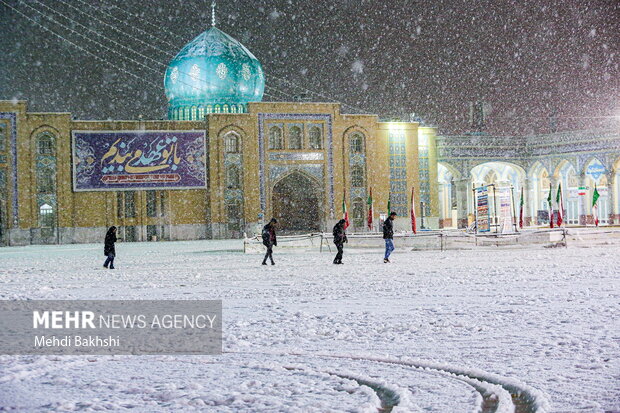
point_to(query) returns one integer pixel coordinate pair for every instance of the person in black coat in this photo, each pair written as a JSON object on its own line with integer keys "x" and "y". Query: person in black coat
{"x": 108, "y": 249}
{"x": 388, "y": 235}
{"x": 340, "y": 237}
{"x": 269, "y": 240}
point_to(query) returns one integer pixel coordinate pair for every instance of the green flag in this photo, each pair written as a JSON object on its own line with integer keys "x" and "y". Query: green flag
{"x": 549, "y": 197}
{"x": 559, "y": 195}
{"x": 389, "y": 207}
{"x": 595, "y": 196}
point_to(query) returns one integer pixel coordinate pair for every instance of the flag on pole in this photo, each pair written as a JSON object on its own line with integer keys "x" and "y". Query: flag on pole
{"x": 550, "y": 207}
{"x": 345, "y": 213}
{"x": 414, "y": 227}
{"x": 370, "y": 211}
{"x": 521, "y": 210}
{"x": 595, "y": 197}
{"x": 560, "y": 203}
{"x": 389, "y": 207}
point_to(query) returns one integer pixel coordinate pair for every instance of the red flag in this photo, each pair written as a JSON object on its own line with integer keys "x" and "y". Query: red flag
{"x": 345, "y": 213}
{"x": 560, "y": 201}
{"x": 414, "y": 226}
{"x": 370, "y": 212}
{"x": 521, "y": 210}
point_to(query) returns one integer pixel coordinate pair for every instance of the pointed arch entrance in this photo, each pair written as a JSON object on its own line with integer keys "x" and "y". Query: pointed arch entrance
{"x": 296, "y": 203}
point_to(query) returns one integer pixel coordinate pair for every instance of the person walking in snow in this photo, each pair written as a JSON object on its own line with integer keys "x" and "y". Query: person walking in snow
{"x": 340, "y": 237}
{"x": 388, "y": 236}
{"x": 269, "y": 240}
{"x": 108, "y": 248}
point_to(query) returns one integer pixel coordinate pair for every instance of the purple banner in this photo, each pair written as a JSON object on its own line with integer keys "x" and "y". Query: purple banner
{"x": 124, "y": 160}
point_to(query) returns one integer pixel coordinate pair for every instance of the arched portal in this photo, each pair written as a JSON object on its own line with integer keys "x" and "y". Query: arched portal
{"x": 500, "y": 175}
{"x": 296, "y": 204}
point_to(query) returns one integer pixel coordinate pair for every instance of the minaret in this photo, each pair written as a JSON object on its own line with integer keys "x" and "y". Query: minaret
{"x": 213, "y": 13}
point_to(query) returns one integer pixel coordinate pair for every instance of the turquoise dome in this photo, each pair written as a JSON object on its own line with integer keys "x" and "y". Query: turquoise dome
{"x": 214, "y": 73}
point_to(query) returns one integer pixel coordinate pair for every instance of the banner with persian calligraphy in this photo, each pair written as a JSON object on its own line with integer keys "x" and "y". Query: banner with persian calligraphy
{"x": 127, "y": 160}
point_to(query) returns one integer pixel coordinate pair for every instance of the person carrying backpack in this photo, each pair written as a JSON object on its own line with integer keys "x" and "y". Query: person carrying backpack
{"x": 108, "y": 248}
{"x": 340, "y": 237}
{"x": 269, "y": 240}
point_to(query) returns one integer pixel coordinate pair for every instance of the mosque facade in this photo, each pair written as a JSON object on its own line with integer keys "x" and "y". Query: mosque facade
{"x": 225, "y": 162}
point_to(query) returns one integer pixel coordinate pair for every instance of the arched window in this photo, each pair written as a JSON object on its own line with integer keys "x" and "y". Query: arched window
{"x": 186, "y": 113}
{"x": 315, "y": 138}
{"x": 209, "y": 109}
{"x": 194, "y": 113}
{"x": 225, "y": 108}
{"x": 201, "y": 112}
{"x": 232, "y": 177}
{"x": 233, "y": 108}
{"x": 46, "y": 216}
{"x": 294, "y": 137}
{"x": 358, "y": 212}
{"x": 275, "y": 138}
{"x": 357, "y": 176}
{"x": 231, "y": 143}
{"x": 45, "y": 144}
{"x": 217, "y": 109}
{"x": 357, "y": 143}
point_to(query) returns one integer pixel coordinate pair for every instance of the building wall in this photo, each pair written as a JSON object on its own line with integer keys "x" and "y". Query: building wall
{"x": 198, "y": 213}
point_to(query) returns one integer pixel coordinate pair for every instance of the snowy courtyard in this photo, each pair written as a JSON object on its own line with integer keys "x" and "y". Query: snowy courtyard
{"x": 452, "y": 331}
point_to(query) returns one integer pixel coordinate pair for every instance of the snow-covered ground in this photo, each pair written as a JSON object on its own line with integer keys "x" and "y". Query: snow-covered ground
{"x": 306, "y": 335}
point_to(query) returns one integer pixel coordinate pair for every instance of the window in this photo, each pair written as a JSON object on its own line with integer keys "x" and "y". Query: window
{"x": 2, "y": 137}
{"x": 130, "y": 234}
{"x": 233, "y": 210}
{"x": 130, "y": 204}
{"x": 357, "y": 143}
{"x": 186, "y": 113}
{"x": 46, "y": 216}
{"x": 46, "y": 145}
{"x": 45, "y": 179}
{"x": 358, "y": 212}
{"x": 231, "y": 143}
{"x": 217, "y": 109}
{"x": 225, "y": 108}
{"x": 151, "y": 232}
{"x": 151, "y": 204}
{"x": 315, "y": 138}
{"x": 357, "y": 176}
{"x": 162, "y": 204}
{"x": 294, "y": 137}
{"x": 119, "y": 204}
{"x": 201, "y": 112}
{"x": 275, "y": 138}
{"x": 232, "y": 177}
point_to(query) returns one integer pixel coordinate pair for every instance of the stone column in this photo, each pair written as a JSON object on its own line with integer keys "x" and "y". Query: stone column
{"x": 613, "y": 213}
{"x": 462, "y": 187}
{"x": 527, "y": 203}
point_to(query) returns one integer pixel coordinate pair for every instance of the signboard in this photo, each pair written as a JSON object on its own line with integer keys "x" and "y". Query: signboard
{"x": 129, "y": 160}
{"x": 483, "y": 221}
{"x": 582, "y": 190}
{"x": 505, "y": 210}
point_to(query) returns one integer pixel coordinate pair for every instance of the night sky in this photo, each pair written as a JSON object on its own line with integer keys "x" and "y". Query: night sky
{"x": 528, "y": 59}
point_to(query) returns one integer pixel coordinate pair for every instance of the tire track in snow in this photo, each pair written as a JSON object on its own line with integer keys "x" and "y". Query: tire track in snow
{"x": 499, "y": 394}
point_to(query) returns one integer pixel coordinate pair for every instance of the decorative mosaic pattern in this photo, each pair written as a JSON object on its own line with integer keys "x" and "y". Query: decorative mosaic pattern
{"x": 234, "y": 195}
{"x": 13, "y": 126}
{"x": 262, "y": 144}
{"x": 314, "y": 156}
{"x": 277, "y": 171}
{"x": 398, "y": 172}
